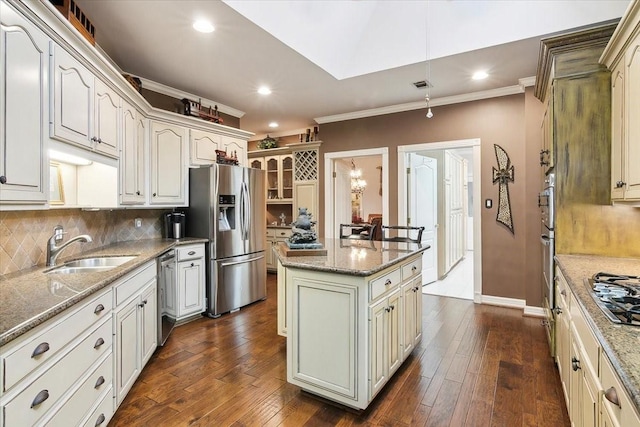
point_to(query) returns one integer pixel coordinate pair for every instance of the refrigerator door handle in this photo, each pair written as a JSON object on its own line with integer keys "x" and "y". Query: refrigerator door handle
{"x": 243, "y": 210}
{"x": 247, "y": 211}
{"x": 226, "y": 264}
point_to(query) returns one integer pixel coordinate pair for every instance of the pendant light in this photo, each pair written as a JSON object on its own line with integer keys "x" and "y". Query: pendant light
{"x": 427, "y": 41}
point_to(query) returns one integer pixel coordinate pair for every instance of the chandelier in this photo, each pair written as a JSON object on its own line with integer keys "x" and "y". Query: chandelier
{"x": 357, "y": 183}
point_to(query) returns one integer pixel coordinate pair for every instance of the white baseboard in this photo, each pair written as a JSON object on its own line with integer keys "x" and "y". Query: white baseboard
{"x": 534, "y": 311}
{"x": 513, "y": 303}
{"x": 504, "y": 302}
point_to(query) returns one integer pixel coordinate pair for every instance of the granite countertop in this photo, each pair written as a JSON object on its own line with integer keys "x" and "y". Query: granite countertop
{"x": 621, "y": 343}
{"x": 352, "y": 257}
{"x": 32, "y": 296}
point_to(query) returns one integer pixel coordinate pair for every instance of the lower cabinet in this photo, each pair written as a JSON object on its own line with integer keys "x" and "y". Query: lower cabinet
{"x": 275, "y": 236}
{"x": 191, "y": 281}
{"x": 347, "y": 335}
{"x": 135, "y": 318}
{"x": 58, "y": 373}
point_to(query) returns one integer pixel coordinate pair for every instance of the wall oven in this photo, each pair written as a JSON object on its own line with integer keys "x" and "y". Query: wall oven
{"x": 546, "y": 201}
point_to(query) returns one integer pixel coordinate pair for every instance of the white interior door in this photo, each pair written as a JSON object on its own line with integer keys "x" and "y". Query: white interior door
{"x": 423, "y": 209}
{"x": 342, "y": 191}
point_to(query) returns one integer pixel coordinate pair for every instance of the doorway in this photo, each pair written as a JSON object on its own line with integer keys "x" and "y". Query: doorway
{"x": 374, "y": 163}
{"x": 437, "y": 181}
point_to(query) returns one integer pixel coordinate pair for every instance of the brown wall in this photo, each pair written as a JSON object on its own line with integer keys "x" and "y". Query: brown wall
{"x": 513, "y": 122}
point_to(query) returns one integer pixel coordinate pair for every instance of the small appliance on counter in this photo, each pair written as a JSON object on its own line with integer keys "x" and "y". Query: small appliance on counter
{"x": 174, "y": 225}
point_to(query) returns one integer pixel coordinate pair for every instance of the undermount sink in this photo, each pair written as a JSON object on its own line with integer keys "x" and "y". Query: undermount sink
{"x": 91, "y": 265}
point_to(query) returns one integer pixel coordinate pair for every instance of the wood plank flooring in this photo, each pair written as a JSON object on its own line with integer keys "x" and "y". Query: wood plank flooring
{"x": 476, "y": 365}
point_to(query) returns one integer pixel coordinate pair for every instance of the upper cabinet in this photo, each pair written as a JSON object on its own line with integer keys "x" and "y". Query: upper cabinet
{"x": 168, "y": 164}
{"x": 107, "y": 110}
{"x": 23, "y": 110}
{"x": 279, "y": 178}
{"x": 203, "y": 146}
{"x": 622, "y": 56}
{"x": 135, "y": 131}
{"x": 236, "y": 147}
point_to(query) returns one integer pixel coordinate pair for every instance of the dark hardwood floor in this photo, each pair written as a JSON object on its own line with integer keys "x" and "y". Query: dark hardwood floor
{"x": 477, "y": 365}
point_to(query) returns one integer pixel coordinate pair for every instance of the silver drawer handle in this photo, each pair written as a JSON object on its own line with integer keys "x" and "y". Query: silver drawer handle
{"x": 41, "y": 348}
{"x": 98, "y": 343}
{"x": 40, "y": 397}
{"x": 388, "y": 282}
{"x": 99, "y": 308}
{"x": 100, "y": 420}
{"x": 192, "y": 252}
{"x": 99, "y": 382}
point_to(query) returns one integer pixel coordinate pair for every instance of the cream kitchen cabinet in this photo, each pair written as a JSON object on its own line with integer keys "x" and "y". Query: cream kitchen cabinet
{"x": 168, "y": 146}
{"x": 191, "y": 281}
{"x": 279, "y": 178}
{"x": 563, "y": 333}
{"x": 203, "y": 146}
{"x": 622, "y": 56}
{"x": 135, "y": 326}
{"x": 385, "y": 339}
{"x": 257, "y": 163}
{"x": 85, "y": 110}
{"x": 135, "y": 132}
{"x": 23, "y": 110}
{"x": 616, "y": 407}
{"x": 47, "y": 369}
{"x": 305, "y": 179}
{"x": 274, "y": 236}
{"x": 235, "y": 146}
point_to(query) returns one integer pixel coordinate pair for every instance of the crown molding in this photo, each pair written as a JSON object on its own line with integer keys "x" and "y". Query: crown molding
{"x": 175, "y": 93}
{"x": 447, "y": 100}
{"x": 527, "y": 81}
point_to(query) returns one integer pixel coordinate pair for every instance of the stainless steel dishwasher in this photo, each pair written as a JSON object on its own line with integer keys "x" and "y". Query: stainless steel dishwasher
{"x": 167, "y": 276}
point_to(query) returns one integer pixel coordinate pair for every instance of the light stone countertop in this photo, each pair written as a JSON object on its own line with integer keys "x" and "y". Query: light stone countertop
{"x": 352, "y": 257}
{"x": 32, "y": 296}
{"x": 621, "y": 343}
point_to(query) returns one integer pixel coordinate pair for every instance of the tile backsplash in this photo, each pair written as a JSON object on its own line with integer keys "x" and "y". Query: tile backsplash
{"x": 24, "y": 234}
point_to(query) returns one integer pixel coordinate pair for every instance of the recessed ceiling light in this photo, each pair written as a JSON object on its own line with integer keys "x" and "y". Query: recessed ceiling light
{"x": 263, "y": 90}
{"x": 203, "y": 26}
{"x": 480, "y": 75}
{"x": 273, "y": 125}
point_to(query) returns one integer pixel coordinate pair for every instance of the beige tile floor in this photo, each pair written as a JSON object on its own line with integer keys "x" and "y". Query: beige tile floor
{"x": 457, "y": 284}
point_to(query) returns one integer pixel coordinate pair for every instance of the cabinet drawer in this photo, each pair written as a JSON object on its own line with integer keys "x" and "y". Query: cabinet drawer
{"x": 624, "y": 413}
{"x": 56, "y": 334}
{"x": 412, "y": 269}
{"x": 384, "y": 283}
{"x": 85, "y": 397}
{"x": 133, "y": 282}
{"x": 563, "y": 292}
{"x": 271, "y": 232}
{"x": 102, "y": 414}
{"x": 282, "y": 233}
{"x": 24, "y": 409}
{"x": 190, "y": 252}
{"x": 589, "y": 342}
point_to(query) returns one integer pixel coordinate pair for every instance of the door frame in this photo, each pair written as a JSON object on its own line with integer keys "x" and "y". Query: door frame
{"x": 477, "y": 194}
{"x": 329, "y": 160}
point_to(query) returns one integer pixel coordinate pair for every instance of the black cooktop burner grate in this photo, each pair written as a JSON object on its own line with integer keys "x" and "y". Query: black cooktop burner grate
{"x": 618, "y": 296}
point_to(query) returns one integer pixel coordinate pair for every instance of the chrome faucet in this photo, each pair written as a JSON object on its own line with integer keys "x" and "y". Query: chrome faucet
{"x": 53, "y": 250}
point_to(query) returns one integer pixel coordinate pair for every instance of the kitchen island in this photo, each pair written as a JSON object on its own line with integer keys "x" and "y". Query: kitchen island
{"x": 351, "y": 317}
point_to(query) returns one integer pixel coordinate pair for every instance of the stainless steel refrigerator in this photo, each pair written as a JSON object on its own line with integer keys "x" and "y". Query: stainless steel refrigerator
{"x": 227, "y": 205}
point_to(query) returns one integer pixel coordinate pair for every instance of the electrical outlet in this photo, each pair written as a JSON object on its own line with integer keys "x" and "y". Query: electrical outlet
{"x": 137, "y": 223}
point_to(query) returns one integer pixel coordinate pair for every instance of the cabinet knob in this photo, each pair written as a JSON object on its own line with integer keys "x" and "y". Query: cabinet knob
{"x": 557, "y": 310}
{"x": 413, "y": 269}
{"x": 137, "y": 193}
{"x": 192, "y": 264}
{"x": 99, "y": 308}
{"x": 40, "y": 397}
{"x": 98, "y": 343}
{"x": 99, "y": 382}
{"x": 100, "y": 420}
{"x": 563, "y": 293}
{"x": 154, "y": 194}
{"x": 575, "y": 364}
{"x": 619, "y": 184}
{"x": 612, "y": 396}
{"x": 3, "y": 179}
{"x": 41, "y": 348}
{"x": 392, "y": 307}
{"x": 94, "y": 139}
{"x": 388, "y": 282}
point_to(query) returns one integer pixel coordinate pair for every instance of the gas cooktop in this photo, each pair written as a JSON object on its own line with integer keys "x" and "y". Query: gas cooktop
{"x": 618, "y": 296}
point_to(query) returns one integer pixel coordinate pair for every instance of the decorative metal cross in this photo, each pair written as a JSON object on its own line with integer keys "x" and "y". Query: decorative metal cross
{"x": 503, "y": 176}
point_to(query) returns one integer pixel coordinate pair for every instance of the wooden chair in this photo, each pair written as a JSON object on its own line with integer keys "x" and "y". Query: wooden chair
{"x": 357, "y": 231}
{"x": 410, "y": 230}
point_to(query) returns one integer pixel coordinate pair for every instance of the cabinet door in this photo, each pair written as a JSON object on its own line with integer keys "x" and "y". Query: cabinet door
{"x": 168, "y": 175}
{"x": 169, "y": 289}
{"x": 409, "y": 317}
{"x": 286, "y": 185}
{"x": 632, "y": 151}
{"x": 132, "y": 158}
{"x": 378, "y": 347}
{"x": 395, "y": 331}
{"x": 272, "y": 165}
{"x": 203, "y": 146}
{"x": 269, "y": 256}
{"x": 257, "y": 163}
{"x": 617, "y": 131}
{"x": 107, "y": 109}
{"x": 235, "y": 146}
{"x": 128, "y": 362}
{"x": 72, "y": 99}
{"x": 191, "y": 287}
{"x": 148, "y": 307}
{"x": 24, "y": 108}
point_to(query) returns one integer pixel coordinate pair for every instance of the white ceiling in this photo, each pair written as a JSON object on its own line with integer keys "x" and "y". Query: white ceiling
{"x": 330, "y": 58}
